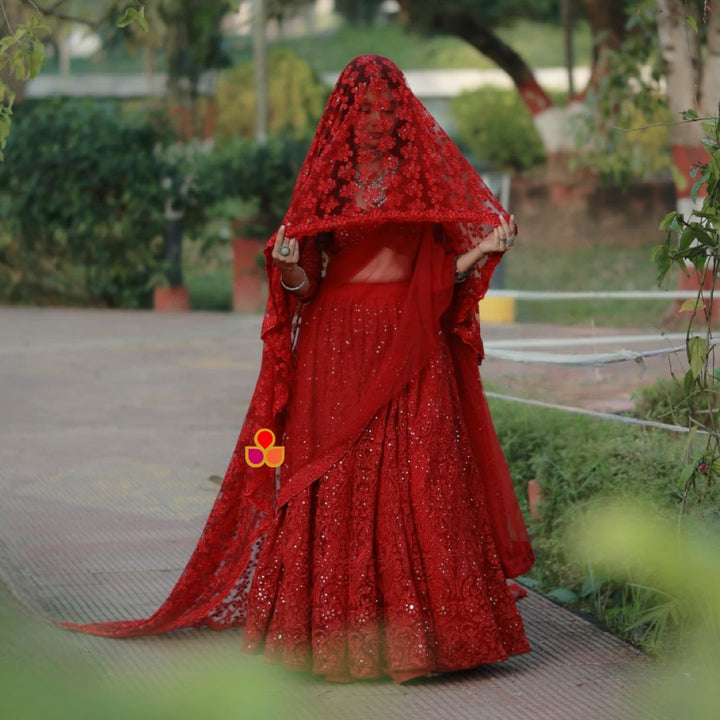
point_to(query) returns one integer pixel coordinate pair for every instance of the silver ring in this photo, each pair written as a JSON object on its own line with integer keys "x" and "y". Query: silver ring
{"x": 509, "y": 241}
{"x": 284, "y": 250}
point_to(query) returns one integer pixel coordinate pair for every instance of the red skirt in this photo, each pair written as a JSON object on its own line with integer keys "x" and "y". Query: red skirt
{"x": 386, "y": 564}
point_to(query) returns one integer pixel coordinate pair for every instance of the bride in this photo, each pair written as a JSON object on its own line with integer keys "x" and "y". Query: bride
{"x": 379, "y": 540}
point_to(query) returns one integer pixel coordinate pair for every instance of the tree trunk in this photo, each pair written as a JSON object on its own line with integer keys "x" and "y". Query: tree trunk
{"x": 680, "y": 50}
{"x": 607, "y": 20}
{"x": 260, "y": 65}
{"x": 63, "y": 47}
{"x": 710, "y": 85}
{"x": 467, "y": 27}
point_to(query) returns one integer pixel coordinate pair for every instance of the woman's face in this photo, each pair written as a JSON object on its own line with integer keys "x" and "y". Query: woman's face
{"x": 377, "y": 118}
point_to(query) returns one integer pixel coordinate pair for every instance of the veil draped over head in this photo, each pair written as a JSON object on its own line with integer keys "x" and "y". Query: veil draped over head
{"x": 377, "y": 158}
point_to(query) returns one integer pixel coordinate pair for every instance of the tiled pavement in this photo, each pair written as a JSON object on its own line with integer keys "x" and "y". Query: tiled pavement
{"x": 112, "y": 426}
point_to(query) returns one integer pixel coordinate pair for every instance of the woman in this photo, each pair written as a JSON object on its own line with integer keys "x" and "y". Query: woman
{"x": 381, "y": 544}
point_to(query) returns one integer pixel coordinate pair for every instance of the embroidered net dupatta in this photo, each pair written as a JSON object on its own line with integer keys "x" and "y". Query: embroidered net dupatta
{"x": 381, "y": 169}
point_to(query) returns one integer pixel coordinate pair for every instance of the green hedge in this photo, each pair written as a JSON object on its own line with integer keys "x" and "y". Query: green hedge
{"x": 240, "y": 178}
{"x": 81, "y": 203}
{"x": 84, "y": 190}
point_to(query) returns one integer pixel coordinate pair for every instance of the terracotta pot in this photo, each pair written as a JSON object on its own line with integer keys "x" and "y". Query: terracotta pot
{"x": 171, "y": 299}
{"x": 535, "y": 498}
{"x": 248, "y": 276}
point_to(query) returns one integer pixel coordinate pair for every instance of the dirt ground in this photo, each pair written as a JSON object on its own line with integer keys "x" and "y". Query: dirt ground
{"x": 605, "y": 388}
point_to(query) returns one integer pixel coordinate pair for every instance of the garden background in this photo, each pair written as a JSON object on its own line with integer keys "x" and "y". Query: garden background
{"x": 103, "y": 200}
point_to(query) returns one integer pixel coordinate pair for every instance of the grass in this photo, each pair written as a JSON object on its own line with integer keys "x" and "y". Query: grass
{"x": 541, "y": 45}
{"x": 585, "y": 268}
{"x": 579, "y": 462}
{"x": 209, "y": 278}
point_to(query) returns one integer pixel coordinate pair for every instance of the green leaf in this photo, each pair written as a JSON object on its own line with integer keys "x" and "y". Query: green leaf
{"x": 36, "y": 58}
{"x": 692, "y": 22}
{"x": 685, "y": 474}
{"x": 676, "y": 223}
{"x": 667, "y": 220}
{"x": 697, "y": 351}
{"x": 690, "y": 114}
{"x": 129, "y": 16}
{"x": 563, "y": 595}
{"x": 141, "y": 19}
{"x": 696, "y": 187}
{"x": 660, "y": 256}
{"x": 688, "y": 382}
{"x": 715, "y": 165}
{"x": 689, "y": 304}
{"x": 686, "y": 239}
{"x": 703, "y": 236}
{"x": 591, "y": 585}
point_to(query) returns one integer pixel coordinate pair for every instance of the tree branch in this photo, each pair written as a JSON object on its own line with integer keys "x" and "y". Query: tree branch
{"x": 607, "y": 22}
{"x": 467, "y": 27}
{"x": 662, "y": 124}
{"x": 51, "y": 11}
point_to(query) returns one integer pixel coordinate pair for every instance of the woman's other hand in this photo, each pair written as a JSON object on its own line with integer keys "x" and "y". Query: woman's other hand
{"x": 499, "y": 239}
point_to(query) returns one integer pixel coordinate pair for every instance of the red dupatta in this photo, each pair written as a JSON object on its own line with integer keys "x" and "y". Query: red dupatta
{"x": 377, "y": 157}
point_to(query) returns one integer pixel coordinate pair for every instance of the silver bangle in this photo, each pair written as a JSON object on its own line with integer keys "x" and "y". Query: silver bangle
{"x": 462, "y": 276}
{"x": 297, "y": 287}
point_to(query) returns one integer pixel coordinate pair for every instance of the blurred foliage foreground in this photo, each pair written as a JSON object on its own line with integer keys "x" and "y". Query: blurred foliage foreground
{"x": 680, "y": 563}
{"x": 43, "y": 677}
{"x": 610, "y": 542}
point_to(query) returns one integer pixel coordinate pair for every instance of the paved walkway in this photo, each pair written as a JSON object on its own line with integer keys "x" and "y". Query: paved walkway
{"x": 112, "y": 426}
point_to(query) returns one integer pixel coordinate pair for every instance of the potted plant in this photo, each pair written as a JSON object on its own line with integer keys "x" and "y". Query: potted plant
{"x": 249, "y": 280}
{"x": 178, "y": 166}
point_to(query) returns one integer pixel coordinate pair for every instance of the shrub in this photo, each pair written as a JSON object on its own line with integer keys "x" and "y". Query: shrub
{"x": 81, "y": 204}
{"x": 260, "y": 176}
{"x": 495, "y": 128}
{"x": 295, "y": 98}
{"x": 633, "y": 145}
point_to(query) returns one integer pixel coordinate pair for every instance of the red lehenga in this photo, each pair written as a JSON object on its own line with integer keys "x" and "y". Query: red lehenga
{"x": 382, "y": 544}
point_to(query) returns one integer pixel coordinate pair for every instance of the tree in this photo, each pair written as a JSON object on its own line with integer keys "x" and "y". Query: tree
{"x": 24, "y": 26}
{"x": 680, "y": 43}
{"x": 689, "y": 38}
{"x": 193, "y": 43}
{"x": 476, "y": 22}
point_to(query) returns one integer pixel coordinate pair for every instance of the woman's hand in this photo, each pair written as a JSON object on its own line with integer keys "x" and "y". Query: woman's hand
{"x": 286, "y": 255}
{"x": 499, "y": 239}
